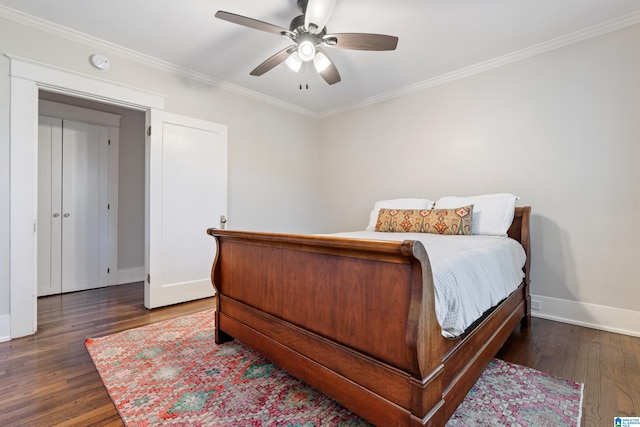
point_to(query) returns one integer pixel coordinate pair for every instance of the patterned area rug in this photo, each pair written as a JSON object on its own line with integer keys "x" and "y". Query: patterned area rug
{"x": 173, "y": 374}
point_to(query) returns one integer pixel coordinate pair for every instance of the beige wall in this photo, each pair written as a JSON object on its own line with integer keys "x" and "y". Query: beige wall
{"x": 561, "y": 130}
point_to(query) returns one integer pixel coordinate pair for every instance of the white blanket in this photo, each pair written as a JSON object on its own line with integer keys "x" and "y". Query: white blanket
{"x": 471, "y": 274}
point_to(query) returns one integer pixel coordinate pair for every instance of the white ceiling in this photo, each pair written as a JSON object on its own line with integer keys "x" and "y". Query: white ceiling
{"x": 436, "y": 38}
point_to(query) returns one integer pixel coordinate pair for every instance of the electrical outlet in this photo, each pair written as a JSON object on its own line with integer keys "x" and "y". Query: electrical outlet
{"x": 535, "y": 304}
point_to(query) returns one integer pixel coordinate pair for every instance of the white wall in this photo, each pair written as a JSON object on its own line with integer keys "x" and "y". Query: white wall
{"x": 561, "y": 130}
{"x": 272, "y": 179}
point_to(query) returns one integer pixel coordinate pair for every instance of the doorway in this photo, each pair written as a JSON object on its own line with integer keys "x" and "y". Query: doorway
{"x": 27, "y": 78}
{"x": 78, "y": 192}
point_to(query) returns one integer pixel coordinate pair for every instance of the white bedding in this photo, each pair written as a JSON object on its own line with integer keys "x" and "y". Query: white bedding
{"x": 471, "y": 274}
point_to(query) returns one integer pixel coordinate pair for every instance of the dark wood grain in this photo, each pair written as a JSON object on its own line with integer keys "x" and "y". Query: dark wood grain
{"x": 608, "y": 365}
{"x": 356, "y": 319}
{"x": 49, "y": 379}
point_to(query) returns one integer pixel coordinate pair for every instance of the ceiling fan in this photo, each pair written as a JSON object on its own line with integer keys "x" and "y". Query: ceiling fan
{"x": 309, "y": 33}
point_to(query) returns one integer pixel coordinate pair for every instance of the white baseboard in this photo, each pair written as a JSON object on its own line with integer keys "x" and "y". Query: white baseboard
{"x": 130, "y": 275}
{"x": 594, "y": 316}
{"x": 5, "y": 327}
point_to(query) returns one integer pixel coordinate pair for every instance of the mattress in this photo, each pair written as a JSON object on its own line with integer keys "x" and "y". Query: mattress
{"x": 471, "y": 274}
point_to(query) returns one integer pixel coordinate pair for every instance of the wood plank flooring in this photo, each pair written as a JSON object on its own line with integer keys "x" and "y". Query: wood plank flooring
{"x": 607, "y": 364}
{"x": 48, "y": 379}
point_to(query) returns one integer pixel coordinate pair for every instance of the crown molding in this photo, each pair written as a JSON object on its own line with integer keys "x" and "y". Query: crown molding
{"x": 76, "y": 36}
{"x": 569, "y": 39}
{"x": 79, "y": 37}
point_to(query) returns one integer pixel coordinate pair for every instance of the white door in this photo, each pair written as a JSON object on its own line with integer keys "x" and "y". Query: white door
{"x": 85, "y": 213}
{"x": 49, "y": 205}
{"x": 73, "y": 206}
{"x": 186, "y": 194}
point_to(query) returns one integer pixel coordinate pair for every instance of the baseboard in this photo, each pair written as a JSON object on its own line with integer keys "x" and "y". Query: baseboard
{"x": 130, "y": 275}
{"x": 5, "y": 327}
{"x": 594, "y": 316}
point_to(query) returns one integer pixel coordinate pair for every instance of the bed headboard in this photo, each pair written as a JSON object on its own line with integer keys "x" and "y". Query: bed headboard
{"x": 519, "y": 231}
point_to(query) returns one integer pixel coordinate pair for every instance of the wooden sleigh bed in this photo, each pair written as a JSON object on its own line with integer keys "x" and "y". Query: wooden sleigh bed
{"x": 356, "y": 319}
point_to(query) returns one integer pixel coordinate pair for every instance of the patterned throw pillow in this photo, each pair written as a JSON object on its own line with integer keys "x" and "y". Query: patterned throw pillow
{"x": 436, "y": 221}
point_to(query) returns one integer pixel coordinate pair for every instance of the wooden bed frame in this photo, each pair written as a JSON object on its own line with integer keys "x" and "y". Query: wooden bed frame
{"x": 356, "y": 320}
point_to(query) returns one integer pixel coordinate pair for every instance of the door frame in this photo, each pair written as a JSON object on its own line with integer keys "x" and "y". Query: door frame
{"x": 26, "y": 79}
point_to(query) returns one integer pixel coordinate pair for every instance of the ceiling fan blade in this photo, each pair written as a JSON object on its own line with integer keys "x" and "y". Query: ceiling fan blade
{"x": 273, "y": 61}
{"x": 250, "y": 22}
{"x": 317, "y": 14}
{"x": 361, "y": 41}
{"x": 330, "y": 74}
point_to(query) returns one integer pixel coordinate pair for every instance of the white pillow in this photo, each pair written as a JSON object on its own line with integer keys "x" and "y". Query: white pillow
{"x": 492, "y": 213}
{"x": 396, "y": 204}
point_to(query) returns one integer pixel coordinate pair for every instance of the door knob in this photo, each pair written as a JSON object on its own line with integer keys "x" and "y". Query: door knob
{"x": 56, "y": 215}
{"x": 66, "y": 215}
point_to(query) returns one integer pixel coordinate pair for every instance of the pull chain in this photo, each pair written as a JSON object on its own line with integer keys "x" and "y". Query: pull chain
{"x": 306, "y": 85}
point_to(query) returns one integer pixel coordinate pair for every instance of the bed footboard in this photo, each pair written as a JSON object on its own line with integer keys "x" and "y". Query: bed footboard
{"x": 354, "y": 319}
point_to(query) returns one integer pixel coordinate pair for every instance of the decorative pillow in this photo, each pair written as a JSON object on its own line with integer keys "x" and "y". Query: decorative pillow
{"x": 397, "y": 204}
{"x": 492, "y": 213}
{"x": 436, "y": 221}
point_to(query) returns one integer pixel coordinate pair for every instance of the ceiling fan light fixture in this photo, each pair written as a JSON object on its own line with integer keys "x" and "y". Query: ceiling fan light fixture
{"x": 308, "y": 32}
{"x": 306, "y": 50}
{"x": 317, "y": 14}
{"x": 294, "y": 62}
{"x": 321, "y": 62}
{"x": 330, "y": 40}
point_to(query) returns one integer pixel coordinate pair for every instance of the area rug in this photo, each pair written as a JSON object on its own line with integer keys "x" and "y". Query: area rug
{"x": 173, "y": 374}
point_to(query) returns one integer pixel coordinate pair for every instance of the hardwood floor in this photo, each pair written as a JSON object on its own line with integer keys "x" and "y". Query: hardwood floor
{"x": 607, "y": 364}
{"x": 49, "y": 379}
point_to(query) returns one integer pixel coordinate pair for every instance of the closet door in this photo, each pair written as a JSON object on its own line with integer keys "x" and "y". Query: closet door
{"x": 49, "y": 206}
{"x": 73, "y": 206}
{"x": 85, "y": 247}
